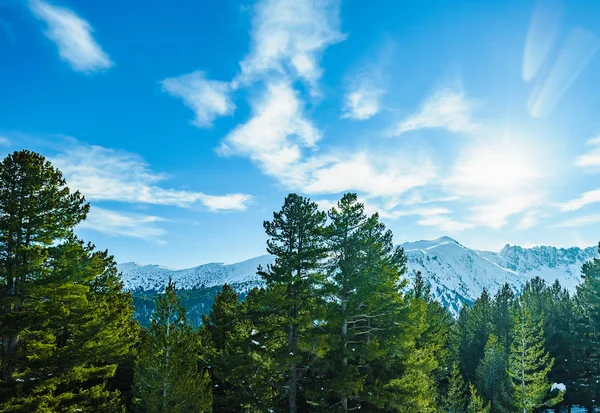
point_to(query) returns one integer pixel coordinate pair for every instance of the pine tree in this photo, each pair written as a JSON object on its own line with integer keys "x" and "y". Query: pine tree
{"x": 292, "y": 295}
{"x": 36, "y": 209}
{"x": 235, "y": 352}
{"x": 479, "y": 328}
{"x": 492, "y": 379}
{"x": 529, "y": 365}
{"x": 587, "y": 349}
{"x": 503, "y": 318}
{"x": 66, "y": 324}
{"x": 167, "y": 374}
{"x": 455, "y": 401}
{"x": 437, "y": 334}
{"x": 476, "y": 403}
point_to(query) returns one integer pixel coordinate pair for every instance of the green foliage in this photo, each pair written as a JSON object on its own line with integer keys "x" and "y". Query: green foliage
{"x": 455, "y": 400}
{"x": 529, "y": 365}
{"x": 292, "y": 298}
{"x": 167, "y": 373}
{"x": 476, "y": 403}
{"x": 492, "y": 379}
{"x": 66, "y": 325}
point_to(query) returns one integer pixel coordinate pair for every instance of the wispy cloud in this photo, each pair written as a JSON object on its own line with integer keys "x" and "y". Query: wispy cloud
{"x": 4, "y": 141}
{"x": 586, "y": 198}
{"x": 103, "y": 174}
{"x": 124, "y": 224}
{"x": 363, "y": 102}
{"x": 447, "y": 108}
{"x": 592, "y": 157}
{"x": 289, "y": 36}
{"x": 372, "y": 174}
{"x": 73, "y": 37}
{"x": 276, "y": 133}
{"x": 207, "y": 98}
{"x": 580, "y": 221}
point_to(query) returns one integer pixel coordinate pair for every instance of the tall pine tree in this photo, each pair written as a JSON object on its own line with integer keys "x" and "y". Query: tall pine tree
{"x": 66, "y": 325}
{"x": 167, "y": 374}
{"x": 292, "y": 296}
{"x": 529, "y": 365}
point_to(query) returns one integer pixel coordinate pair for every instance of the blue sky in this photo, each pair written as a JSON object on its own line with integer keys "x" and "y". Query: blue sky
{"x": 186, "y": 123}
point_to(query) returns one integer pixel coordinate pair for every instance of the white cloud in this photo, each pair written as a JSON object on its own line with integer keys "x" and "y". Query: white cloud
{"x": 587, "y": 198}
{"x": 4, "y": 141}
{"x": 207, "y": 98}
{"x": 592, "y": 157}
{"x": 276, "y": 133}
{"x": 225, "y": 202}
{"x": 447, "y": 108}
{"x": 374, "y": 175}
{"x": 580, "y": 222}
{"x": 290, "y": 36}
{"x": 124, "y": 224}
{"x": 103, "y": 174}
{"x": 495, "y": 214}
{"x": 73, "y": 37}
{"x": 366, "y": 85}
{"x": 363, "y": 102}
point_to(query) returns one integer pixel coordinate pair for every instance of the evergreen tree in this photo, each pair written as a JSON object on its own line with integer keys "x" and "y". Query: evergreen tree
{"x": 297, "y": 243}
{"x": 529, "y": 365}
{"x": 503, "y": 317}
{"x": 66, "y": 325}
{"x": 479, "y": 328}
{"x": 491, "y": 376}
{"x": 455, "y": 400}
{"x": 167, "y": 374}
{"x": 476, "y": 403}
{"x": 587, "y": 349}
{"x": 365, "y": 368}
{"x": 235, "y": 352}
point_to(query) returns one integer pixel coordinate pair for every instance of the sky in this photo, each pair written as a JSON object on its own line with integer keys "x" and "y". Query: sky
{"x": 186, "y": 123}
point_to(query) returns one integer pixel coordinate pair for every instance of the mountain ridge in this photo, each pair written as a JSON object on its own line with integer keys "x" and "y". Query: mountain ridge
{"x": 456, "y": 274}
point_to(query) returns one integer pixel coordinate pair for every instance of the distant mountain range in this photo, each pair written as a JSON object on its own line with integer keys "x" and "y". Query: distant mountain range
{"x": 456, "y": 274}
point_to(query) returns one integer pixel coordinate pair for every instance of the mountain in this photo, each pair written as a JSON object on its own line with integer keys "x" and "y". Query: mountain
{"x": 456, "y": 274}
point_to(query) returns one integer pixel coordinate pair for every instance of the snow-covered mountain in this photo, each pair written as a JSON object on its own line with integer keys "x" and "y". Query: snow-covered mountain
{"x": 456, "y": 274}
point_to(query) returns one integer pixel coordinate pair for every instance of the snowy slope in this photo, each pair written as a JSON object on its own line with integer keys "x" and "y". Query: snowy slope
{"x": 456, "y": 274}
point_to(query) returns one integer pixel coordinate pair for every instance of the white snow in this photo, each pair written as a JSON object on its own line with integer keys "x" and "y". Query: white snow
{"x": 456, "y": 274}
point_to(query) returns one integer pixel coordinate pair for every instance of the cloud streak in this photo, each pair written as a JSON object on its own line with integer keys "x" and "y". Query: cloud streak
{"x": 73, "y": 37}
{"x": 114, "y": 223}
{"x": 207, "y": 98}
{"x": 447, "y": 109}
{"x": 103, "y": 174}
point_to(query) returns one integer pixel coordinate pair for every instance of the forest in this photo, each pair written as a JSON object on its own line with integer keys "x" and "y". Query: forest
{"x": 336, "y": 328}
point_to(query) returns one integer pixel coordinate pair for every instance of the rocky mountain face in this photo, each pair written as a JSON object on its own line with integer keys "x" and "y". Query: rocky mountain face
{"x": 456, "y": 274}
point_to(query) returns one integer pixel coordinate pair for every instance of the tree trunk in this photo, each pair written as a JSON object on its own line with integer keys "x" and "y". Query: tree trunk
{"x": 293, "y": 380}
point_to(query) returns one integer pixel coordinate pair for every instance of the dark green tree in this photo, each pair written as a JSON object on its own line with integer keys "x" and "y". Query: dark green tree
{"x": 292, "y": 290}
{"x": 479, "y": 327}
{"x": 455, "y": 400}
{"x": 529, "y": 365}
{"x": 492, "y": 379}
{"x": 587, "y": 348}
{"x": 503, "y": 317}
{"x": 167, "y": 374}
{"x": 234, "y": 351}
{"x": 66, "y": 325}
